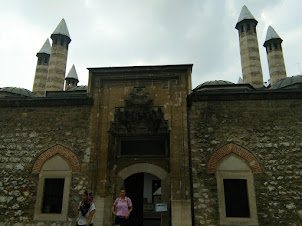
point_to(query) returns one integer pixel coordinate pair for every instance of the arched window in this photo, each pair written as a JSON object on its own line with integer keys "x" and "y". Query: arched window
{"x": 53, "y": 189}
{"x": 236, "y": 192}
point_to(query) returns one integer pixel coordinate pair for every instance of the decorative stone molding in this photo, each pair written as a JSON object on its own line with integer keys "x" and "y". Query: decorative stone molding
{"x": 139, "y": 116}
{"x": 57, "y": 150}
{"x": 237, "y": 150}
{"x": 143, "y": 168}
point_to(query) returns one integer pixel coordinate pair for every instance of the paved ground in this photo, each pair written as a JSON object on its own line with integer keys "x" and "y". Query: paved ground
{"x": 152, "y": 222}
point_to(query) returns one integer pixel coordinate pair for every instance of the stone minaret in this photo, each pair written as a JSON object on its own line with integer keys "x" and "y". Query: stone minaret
{"x": 58, "y": 57}
{"x": 249, "y": 50}
{"x": 274, "y": 56}
{"x": 42, "y": 69}
{"x": 71, "y": 78}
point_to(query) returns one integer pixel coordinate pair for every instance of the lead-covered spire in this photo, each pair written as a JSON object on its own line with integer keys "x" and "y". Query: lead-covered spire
{"x": 61, "y": 29}
{"x": 71, "y": 78}
{"x": 72, "y": 73}
{"x": 245, "y": 14}
{"x": 271, "y": 34}
{"x": 46, "y": 47}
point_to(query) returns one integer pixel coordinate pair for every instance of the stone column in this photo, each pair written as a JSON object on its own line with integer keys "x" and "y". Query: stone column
{"x": 41, "y": 74}
{"x": 57, "y": 63}
{"x": 275, "y": 58}
{"x": 42, "y": 69}
{"x": 58, "y": 58}
{"x": 249, "y": 50}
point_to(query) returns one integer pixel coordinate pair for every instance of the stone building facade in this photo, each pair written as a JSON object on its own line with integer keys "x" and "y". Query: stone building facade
{"x": 219, "y": 154}
{"x": 261, "y": 129}
{"x": 32, "y": 133}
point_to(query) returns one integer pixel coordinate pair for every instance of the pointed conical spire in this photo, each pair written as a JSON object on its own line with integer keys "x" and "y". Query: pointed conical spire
{"x": 240, "y": 81}
{"x": 271, "y": 34}
{"x": 72, "y": 74}
{"x": 245, "y": 14}
{"x": 46, "y": 47}
{"x": 61, "y": 29}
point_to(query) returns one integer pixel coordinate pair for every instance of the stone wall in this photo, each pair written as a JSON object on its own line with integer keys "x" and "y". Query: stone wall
{"x": 269, "y": 127}
{"x": 26, "y": 133}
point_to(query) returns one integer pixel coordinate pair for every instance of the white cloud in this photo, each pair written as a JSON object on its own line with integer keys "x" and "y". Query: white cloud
{"x": 135, "y": 32}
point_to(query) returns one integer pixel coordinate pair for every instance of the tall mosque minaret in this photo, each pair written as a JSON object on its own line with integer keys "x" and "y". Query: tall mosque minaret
{"x": 58, "y": 58}
{"x": 42, "y": 69}
{"x": 274, "y": 56}
{"x": 249, "y": 49}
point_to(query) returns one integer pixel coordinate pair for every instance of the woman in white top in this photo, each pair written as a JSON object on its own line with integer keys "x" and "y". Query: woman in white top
{"x": 86, "y": 210}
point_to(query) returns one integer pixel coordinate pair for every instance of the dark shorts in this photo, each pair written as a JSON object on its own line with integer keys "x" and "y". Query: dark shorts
{"x": 120, "y": 221}
{"x": 84, "y": 225}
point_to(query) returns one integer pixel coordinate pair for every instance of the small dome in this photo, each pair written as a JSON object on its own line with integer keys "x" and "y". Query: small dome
{"x": 78, "y": 88}
{"x": 214, "y": 83}
{"x": 288, "y": 83}
{"x": 19, "y": 91}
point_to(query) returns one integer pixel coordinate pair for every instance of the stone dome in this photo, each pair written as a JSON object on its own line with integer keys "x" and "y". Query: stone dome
{"x": 214, "y": 83}
{"x": 18, "y": 91}
{"x": 288, "y": 83}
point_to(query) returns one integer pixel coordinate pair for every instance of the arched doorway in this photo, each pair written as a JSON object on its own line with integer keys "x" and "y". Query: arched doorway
{"x": 133, "y": 177}
{"x": 144, "y": 190}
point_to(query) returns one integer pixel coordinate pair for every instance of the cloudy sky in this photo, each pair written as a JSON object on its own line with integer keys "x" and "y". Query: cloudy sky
{"x": 108, "y": 33}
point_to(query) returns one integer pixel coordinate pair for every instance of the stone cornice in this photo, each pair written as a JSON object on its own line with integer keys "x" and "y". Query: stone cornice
{"x": 45, "y": 102}
{"x": 244, "y": 95}
{"x": 142, "y": 69}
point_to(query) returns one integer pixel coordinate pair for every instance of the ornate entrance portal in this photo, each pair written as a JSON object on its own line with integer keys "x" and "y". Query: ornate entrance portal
{"x": 139, "y": 133}
{"x": 141, "y": 128}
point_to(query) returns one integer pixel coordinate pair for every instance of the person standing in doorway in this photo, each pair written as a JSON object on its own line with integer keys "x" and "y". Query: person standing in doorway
{"x": 122, "y": 208}
{"x": 86, "y": 210}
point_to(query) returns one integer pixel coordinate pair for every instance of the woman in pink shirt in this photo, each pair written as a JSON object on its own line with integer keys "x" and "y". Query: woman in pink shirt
{"x": 122, "y": 208}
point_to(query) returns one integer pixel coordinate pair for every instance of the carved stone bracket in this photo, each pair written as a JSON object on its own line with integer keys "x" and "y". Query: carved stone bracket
{"x": 139, "y": 116}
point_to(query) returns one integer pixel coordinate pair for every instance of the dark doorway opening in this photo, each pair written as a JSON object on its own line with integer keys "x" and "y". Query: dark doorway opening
{"x": 135, "y": 189}
{"x": 144, "y": 190}
{"x": 236, "y": 198}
